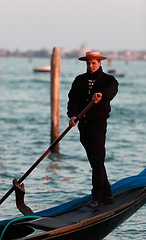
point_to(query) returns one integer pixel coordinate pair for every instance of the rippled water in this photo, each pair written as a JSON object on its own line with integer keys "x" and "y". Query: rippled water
{"x": 25, "y": 135}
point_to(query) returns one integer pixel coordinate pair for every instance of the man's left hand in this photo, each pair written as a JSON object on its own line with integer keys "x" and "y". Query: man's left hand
{"x": 96, "y": 97}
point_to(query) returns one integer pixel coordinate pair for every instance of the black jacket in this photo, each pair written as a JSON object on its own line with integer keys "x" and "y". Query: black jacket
{"x": 79, "y": 97}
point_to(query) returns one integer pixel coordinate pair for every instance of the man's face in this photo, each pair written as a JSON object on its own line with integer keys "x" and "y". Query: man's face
{"x": 93, "y": 65}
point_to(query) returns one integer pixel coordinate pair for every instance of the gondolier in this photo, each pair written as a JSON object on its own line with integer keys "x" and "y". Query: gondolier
{"x": 102, "y": 88}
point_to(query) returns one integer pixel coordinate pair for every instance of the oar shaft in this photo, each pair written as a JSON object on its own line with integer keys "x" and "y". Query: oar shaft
{"x": 46, "y": 152}
{"x": 84, "y": 111}
{"x": 35, "y": 164}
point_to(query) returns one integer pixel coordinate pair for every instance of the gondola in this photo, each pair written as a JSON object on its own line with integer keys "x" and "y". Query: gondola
{"x": 74, "y": 219}
{"x": 116, "y": 74}
{"x": 42, "y": 69}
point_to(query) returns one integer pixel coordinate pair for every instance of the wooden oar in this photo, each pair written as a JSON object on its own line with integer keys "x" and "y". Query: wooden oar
{"x": 46, "y": 152}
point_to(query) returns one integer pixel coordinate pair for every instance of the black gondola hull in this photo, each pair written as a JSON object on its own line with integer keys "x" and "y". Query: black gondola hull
{"x": 98, "y": 226}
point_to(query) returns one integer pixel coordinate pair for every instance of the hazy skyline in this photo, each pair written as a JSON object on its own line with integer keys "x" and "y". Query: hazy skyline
{"x": 102, "y": 25}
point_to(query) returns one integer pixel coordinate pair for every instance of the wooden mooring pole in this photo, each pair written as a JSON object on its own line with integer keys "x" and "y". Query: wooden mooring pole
{"x": 55, "y": 97}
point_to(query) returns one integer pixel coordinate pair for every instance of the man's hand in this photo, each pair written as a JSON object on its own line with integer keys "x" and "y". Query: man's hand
{"x": 96, "y": 97}
{"x": 71, "y": 121}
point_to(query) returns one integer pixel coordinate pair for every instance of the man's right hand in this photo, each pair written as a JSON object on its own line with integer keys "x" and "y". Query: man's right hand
{"x": 71, "y": 122}
{"x": 97, "y": 97}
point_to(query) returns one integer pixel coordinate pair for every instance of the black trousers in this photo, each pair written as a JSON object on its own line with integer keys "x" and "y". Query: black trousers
{"x": 92, "y": 137}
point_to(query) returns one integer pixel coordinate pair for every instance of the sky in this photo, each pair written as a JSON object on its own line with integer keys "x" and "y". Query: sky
{"x": 45, "y": 24}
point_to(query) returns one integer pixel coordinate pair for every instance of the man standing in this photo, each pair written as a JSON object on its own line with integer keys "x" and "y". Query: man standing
{"x": 101, "y": 88}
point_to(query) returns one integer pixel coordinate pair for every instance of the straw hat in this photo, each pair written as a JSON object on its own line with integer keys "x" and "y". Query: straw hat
{"x": 92, "y": 55}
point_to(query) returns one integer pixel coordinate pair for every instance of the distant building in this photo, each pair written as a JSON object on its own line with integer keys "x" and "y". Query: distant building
{"x": 63, "y": 52}
{"x": 3, "y": 53}
{"x": 126, "y": 55}
{"x": 84, "y": 48}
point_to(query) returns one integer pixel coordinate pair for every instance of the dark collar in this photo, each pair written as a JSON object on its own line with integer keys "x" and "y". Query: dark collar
{"x": 94, "y": 75}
